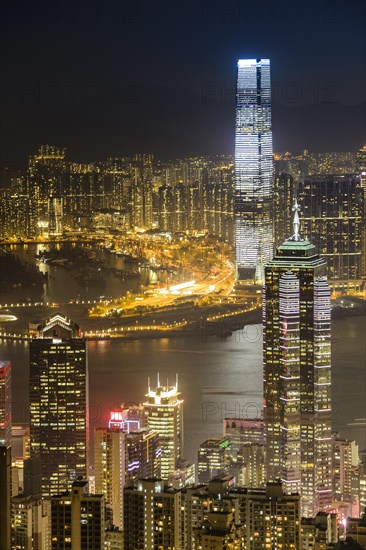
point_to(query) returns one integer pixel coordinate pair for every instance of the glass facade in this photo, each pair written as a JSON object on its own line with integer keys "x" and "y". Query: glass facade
{"x": 5, "y": 403}
{"x": 253, "y": 169}
{"x": 58, "y": 397}
{"x": 297, "y": 373}
{"x": 164, "y": 415}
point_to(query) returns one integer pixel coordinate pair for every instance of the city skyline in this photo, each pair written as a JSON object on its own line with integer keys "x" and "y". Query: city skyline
{"x": 182, "y": 198}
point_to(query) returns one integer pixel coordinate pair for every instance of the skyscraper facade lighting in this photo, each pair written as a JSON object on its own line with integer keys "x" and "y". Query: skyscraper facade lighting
{"x": 5, "y": 403}
{"x": 59, "y": 403}
{"x": 297, "y": 372}
{"x": 253, "y": 169}
{"x": 164, "y": 414}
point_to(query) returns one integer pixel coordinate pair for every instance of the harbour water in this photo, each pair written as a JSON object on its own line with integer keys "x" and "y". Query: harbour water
{"x": 218, "y": 377}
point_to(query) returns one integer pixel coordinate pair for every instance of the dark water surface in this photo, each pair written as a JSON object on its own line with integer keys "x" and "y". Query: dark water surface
{"x": 217, "y": 378}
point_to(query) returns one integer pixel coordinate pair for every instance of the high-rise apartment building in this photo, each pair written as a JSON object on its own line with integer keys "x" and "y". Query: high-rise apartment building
{"x": 262, "y": 518}
{"x": 297, "y": 372}
{"x": 110, "y": 469}
{"x": 152, "y": 516}
{"x": 221, "y": 531}
{"x": 44, "y": 182}
{"x": 361, "y": 170}
{"x": 5, "y": 403}
{"x": 332, "y": 219}
{"x": 164, "y": 415}
{"x": 5, "y": 497}
{"x": 319, "y": 532}
{"x": 345, "y": 475}
{"x": 58, "y": 391}
{"x": 28, "y": 524}
{"x": 253, "y": 169}
{"x": 77, "y": 519}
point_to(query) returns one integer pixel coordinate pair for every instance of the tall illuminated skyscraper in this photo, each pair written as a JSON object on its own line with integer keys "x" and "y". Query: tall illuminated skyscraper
{"x": 164, "y": 414}
{"x": 253, "y": 169}
{"x": 110, "y": 468}
{"x": 297, "y": 372}
{"x": 5, "y": 403}
{"x": 58, "y": 389}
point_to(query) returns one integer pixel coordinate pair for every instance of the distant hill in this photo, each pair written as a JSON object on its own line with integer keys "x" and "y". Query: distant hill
{"x": 168, "y": 122}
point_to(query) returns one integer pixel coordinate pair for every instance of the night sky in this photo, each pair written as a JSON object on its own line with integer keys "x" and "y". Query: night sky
{"x": 113, "y": 78}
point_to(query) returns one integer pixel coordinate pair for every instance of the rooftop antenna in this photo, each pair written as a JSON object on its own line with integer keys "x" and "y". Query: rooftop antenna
{"x": 296, "y": 222}
{"x": 158, "y": 381}
{"x": 167, "y": 382}
{"x": 148, "y": 384}
{"x": 176, "y": 381}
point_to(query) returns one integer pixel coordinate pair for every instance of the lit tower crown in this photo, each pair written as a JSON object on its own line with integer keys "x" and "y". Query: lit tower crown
{"x": 164, "y": 414}
{"x": 253, "y": 169}
{"x": 297, "y": 371}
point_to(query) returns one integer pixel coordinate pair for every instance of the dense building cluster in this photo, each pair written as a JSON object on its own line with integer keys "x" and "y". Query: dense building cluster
{"x": 56, "y": 195}
{"x": 283, "y": 481}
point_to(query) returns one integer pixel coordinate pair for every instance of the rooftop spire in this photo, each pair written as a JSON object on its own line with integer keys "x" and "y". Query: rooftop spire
{"x": 296, "y": 222}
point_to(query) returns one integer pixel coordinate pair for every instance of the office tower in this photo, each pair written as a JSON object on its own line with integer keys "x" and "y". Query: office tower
{"x": 253, "y": 169}
{"x": 164, "y": 415}
{"x": 241, "y": 431}
{"x": 143, "y": 453}
{"x": 248, "y": 451}
{"x": 332, "y": 211}
{"x": 5, "y": 497}
{"x": 59, "y": 403}
{"x": 29, "y": 523}
{"x": 110, "y": 469}
{"x": 213, "y": 458}
{"x": 5, "y": 403}
{"x": 151, "y": 516}
{"x": 77, "y": 519}
{"x": 297, "y": 373}
{"x": 33, "y": 476}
